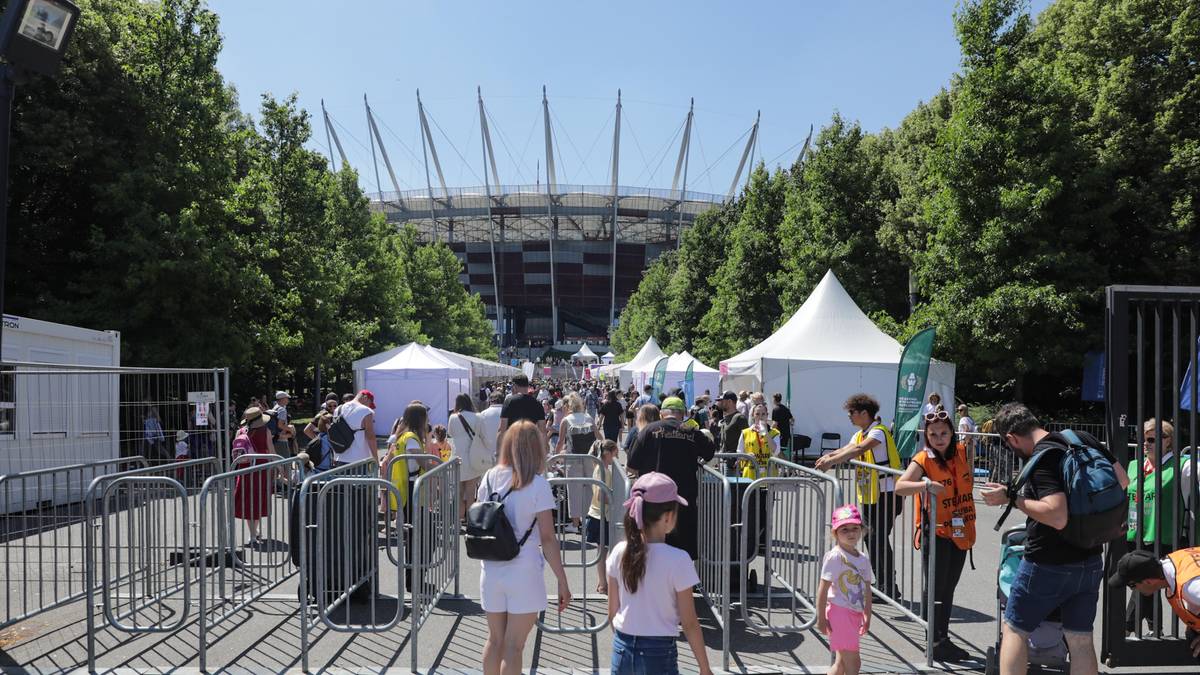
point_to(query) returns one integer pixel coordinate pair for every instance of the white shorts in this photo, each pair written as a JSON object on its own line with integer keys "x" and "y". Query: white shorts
{"x": 513, "y": 587}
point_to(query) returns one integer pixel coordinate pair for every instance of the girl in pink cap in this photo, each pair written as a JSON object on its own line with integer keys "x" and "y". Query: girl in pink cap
{"x": 844, "y": 595}
{"x": 650, "y": 585}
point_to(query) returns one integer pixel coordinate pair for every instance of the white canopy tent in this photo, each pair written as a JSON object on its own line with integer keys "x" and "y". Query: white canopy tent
{"x": 610, "y": 373}
{"x": 481, "y": 370}
{"x": 585, "y": 353}
{"x": 608, "y": 358}
{"x": 648, "y": 355}
{"x": 416, "y": 372}
{"x": 831, "y": 350}
{"x": 677, "y": 364}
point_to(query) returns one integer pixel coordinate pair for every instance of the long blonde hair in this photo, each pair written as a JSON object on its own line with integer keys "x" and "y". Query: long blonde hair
{"x": 523, "y": 449}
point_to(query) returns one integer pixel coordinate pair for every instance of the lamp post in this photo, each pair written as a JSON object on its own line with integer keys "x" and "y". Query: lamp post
{"x": 34, "y": 34}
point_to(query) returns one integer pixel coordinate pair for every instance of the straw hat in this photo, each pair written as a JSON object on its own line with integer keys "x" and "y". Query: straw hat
{"x": 255, "y": 418}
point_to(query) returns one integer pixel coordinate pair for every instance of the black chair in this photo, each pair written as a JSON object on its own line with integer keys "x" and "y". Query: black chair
{"x": 830, "y": 441}
{"x": 800, "y": 445}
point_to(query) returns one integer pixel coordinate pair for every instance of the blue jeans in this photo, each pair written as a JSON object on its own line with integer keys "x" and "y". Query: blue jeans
{"x": 1040, "y": 589}
{"x": 641, "y": 655}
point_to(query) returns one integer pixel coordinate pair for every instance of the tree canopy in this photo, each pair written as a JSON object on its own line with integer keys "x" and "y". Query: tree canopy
{"x": 1063, "y": 157}
{"x": 143, "y": 200}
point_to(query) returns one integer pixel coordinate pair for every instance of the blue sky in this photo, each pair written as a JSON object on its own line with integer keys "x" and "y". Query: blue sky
{"x": 797, "y": 62}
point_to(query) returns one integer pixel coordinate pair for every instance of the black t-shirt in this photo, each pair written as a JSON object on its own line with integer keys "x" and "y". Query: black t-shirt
{"x": 1044, "y": 544}
{"x": 732, "y": 426}
{"x": 522, "y": 407}
{"x": 782, "y": 417}
{"x": 612, "y": 412}
{"x": 666, "y": 447}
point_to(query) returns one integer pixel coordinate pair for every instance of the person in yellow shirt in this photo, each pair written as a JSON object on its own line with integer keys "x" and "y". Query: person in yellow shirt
{"x": 759, "y": 439}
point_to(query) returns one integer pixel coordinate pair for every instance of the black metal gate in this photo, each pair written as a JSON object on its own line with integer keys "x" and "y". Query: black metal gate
{"x": 1151, "y": 339}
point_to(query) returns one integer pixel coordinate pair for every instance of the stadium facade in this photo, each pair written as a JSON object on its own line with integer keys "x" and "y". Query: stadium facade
{"x": 554, "y": 263}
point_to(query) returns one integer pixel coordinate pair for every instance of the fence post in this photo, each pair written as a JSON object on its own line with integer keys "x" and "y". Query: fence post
{"x": 929, "y": 540}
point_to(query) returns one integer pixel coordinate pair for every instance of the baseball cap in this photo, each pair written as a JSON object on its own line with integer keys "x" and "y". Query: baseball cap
{"x": 729, "y": 396}
{"x": 653, "y": 487}
{"x": 281, "y": 394}
{"x": 846, "y": 515}
{"x": 1135, "y": 566}
{"x": 370, "y": 395}
{"x": 674, "y": 403}
{"x": 332, "y": 397}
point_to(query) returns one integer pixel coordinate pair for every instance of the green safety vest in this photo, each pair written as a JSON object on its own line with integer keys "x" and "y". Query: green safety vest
{"x": 1153, "y": 507}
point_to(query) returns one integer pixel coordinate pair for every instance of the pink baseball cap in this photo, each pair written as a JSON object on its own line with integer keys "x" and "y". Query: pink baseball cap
{"x": 846, "y": 515}
{"x": 653, "y": 487}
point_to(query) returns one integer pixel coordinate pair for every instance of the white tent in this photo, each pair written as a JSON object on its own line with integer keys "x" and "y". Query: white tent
{"x": 677, "y": 364}
{"x": 648, "y": 355}
{"x": 610, "y": 373}
{"x": 481, "y": 370}
{"x": 608, "y": 358}
{"x": 831, "y": 350}
{"x": 415, "y": 372}
{"x": 585, "y": 353}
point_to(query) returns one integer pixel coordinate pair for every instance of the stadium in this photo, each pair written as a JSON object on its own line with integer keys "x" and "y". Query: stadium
{"x": 554, "y": 263}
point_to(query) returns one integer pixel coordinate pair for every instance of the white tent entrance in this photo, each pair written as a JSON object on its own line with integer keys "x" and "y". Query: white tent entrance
{"x": 830, "y": 350}
{"x": 416, "y": 372}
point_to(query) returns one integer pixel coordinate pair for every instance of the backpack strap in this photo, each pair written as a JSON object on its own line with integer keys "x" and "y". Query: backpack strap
{"x": 1015, "y": 487}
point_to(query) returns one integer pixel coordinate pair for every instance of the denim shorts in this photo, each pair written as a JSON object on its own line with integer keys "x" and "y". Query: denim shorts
{"x": 641, "y": 655}
{"x": 1040, "y": 589}
{"x": 592, "y": 528}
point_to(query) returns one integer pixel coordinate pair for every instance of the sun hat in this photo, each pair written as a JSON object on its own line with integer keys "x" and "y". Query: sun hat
{"x": 1135, "y": 566}
{"x": 674, "y": 403}
{"x": 653, "y": 487}
{"x": 846, "y": 515}
{"x": 255, "y": 418}
{"x": 282, "y": 394}
{"x": 181, "y": 435}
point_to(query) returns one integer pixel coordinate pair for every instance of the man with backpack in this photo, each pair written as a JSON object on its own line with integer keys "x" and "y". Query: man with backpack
{"x": 1068, "y": 489}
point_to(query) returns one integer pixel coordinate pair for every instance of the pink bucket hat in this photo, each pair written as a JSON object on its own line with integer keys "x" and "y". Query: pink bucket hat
{"x": 653, "y": 487}
{"x": 846, "y": 515}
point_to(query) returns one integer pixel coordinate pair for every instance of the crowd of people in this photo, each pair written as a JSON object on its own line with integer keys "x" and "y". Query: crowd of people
{"x": 505, "y": 433}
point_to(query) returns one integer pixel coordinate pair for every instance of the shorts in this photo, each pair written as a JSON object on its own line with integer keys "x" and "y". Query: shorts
{"x": 593, "y": 527}
{"x": 515, "y": 587}
{"x": 1039, "y": 589}
{"x": 844, "y": 624}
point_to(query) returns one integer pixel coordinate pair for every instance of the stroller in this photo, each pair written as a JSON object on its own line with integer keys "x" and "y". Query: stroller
{"x": 1047, "y": 648}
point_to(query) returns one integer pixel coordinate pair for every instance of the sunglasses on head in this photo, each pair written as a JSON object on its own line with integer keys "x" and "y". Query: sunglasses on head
{"x": 937, "y": 415}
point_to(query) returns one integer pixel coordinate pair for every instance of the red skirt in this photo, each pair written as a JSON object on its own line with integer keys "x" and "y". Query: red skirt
{"x": 252, "y": 495}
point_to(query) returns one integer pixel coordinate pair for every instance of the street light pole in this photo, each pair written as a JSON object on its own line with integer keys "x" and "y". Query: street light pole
{"x": 7, "y": 90}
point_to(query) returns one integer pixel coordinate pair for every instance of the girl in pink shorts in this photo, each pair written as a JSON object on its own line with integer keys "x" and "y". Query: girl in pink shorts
{"x": 844, "y": 596}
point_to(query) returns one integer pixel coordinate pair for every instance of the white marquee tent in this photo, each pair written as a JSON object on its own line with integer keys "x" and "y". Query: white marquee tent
{"x": 832, "y": 350}
{"x": 416, "y": 372}
{"x": 481, "y": 370}
{"x": 608, "y": 358}
{"x": 585, "y": 353}
{"x": 677, "y": 364}
{"x": 648, "y": 355}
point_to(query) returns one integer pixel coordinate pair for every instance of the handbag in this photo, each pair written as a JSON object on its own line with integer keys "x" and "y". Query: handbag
{"x": 474, "y": 459}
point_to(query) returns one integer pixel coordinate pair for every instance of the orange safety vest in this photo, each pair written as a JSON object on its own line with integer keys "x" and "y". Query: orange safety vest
{"x": 1187, "y": 567}
{"x": 956, "y": 507}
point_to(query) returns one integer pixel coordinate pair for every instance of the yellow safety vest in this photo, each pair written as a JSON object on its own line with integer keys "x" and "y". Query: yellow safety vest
{"x": 760, "y": 446}
{"x": 868, "y": 479}
{"x": 399, "y": 475}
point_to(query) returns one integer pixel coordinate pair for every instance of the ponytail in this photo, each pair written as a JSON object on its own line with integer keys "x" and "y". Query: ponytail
{"x": 633, "y": 562}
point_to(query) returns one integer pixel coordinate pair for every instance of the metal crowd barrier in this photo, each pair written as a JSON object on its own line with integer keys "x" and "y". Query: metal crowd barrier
{"x": 912, "y": 572}
{"x": 42, "y": 537}
{"x": 782, "y": 518}
{"x": 993, "y": 461}
{"x": 137, "y": 543}
{"x": 240, "y": 557}
{"x": 311, "y": 546}
{"x": 577, "y": 488}
{"x": 435, "y": 530}
{"x": 728, "y": 463}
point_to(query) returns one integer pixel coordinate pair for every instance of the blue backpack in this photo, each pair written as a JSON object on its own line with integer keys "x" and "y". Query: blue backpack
{"x": 1097, "y": 506}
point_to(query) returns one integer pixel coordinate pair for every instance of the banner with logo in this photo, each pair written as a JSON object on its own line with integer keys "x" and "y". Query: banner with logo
{"x": 660, "y": 376}
{"x": 689, "y": 386}
{"x": 910, "y": 391}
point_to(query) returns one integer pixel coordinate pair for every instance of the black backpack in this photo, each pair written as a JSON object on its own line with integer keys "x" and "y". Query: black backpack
{"x": 316, "y": 454}
{"x": 489, "y": 534}
{"x": 341, "y": 435}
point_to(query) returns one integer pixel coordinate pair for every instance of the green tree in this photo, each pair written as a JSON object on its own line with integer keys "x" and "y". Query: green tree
{"x": 746, "y": 305}
{"x": 643, "y": 314}
{"x": 690, "y": 289}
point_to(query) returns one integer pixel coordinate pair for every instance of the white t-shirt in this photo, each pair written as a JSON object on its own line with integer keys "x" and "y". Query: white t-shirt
{"x": 355, "y": 413}
{"x": 1191, "y": 592}
{"x": 461, "y": 443}
{"x": 181, "y": 449}
{"x": 886, "y": 482}
{"x": 489, "y": 422}
{"x": 966, "y": 425}
{"x": 521, "y": 508}
{"x": 652, "y": 611}
{"x": 850, "y": 578}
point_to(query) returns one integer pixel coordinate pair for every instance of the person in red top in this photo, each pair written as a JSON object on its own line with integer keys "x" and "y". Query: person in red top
{"x": 942, "y": 472}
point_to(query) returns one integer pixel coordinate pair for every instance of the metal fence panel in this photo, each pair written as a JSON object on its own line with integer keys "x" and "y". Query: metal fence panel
{"x": 435, "y": 542}
{"x": 573, "y": 495}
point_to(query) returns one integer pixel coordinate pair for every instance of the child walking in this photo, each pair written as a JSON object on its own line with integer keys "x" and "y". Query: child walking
{"x": 844, "y": 595}
{"x": 650, "y": 585}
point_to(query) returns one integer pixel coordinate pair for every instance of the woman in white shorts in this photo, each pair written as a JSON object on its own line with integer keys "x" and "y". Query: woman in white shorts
{"x": 512, "y": 592}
